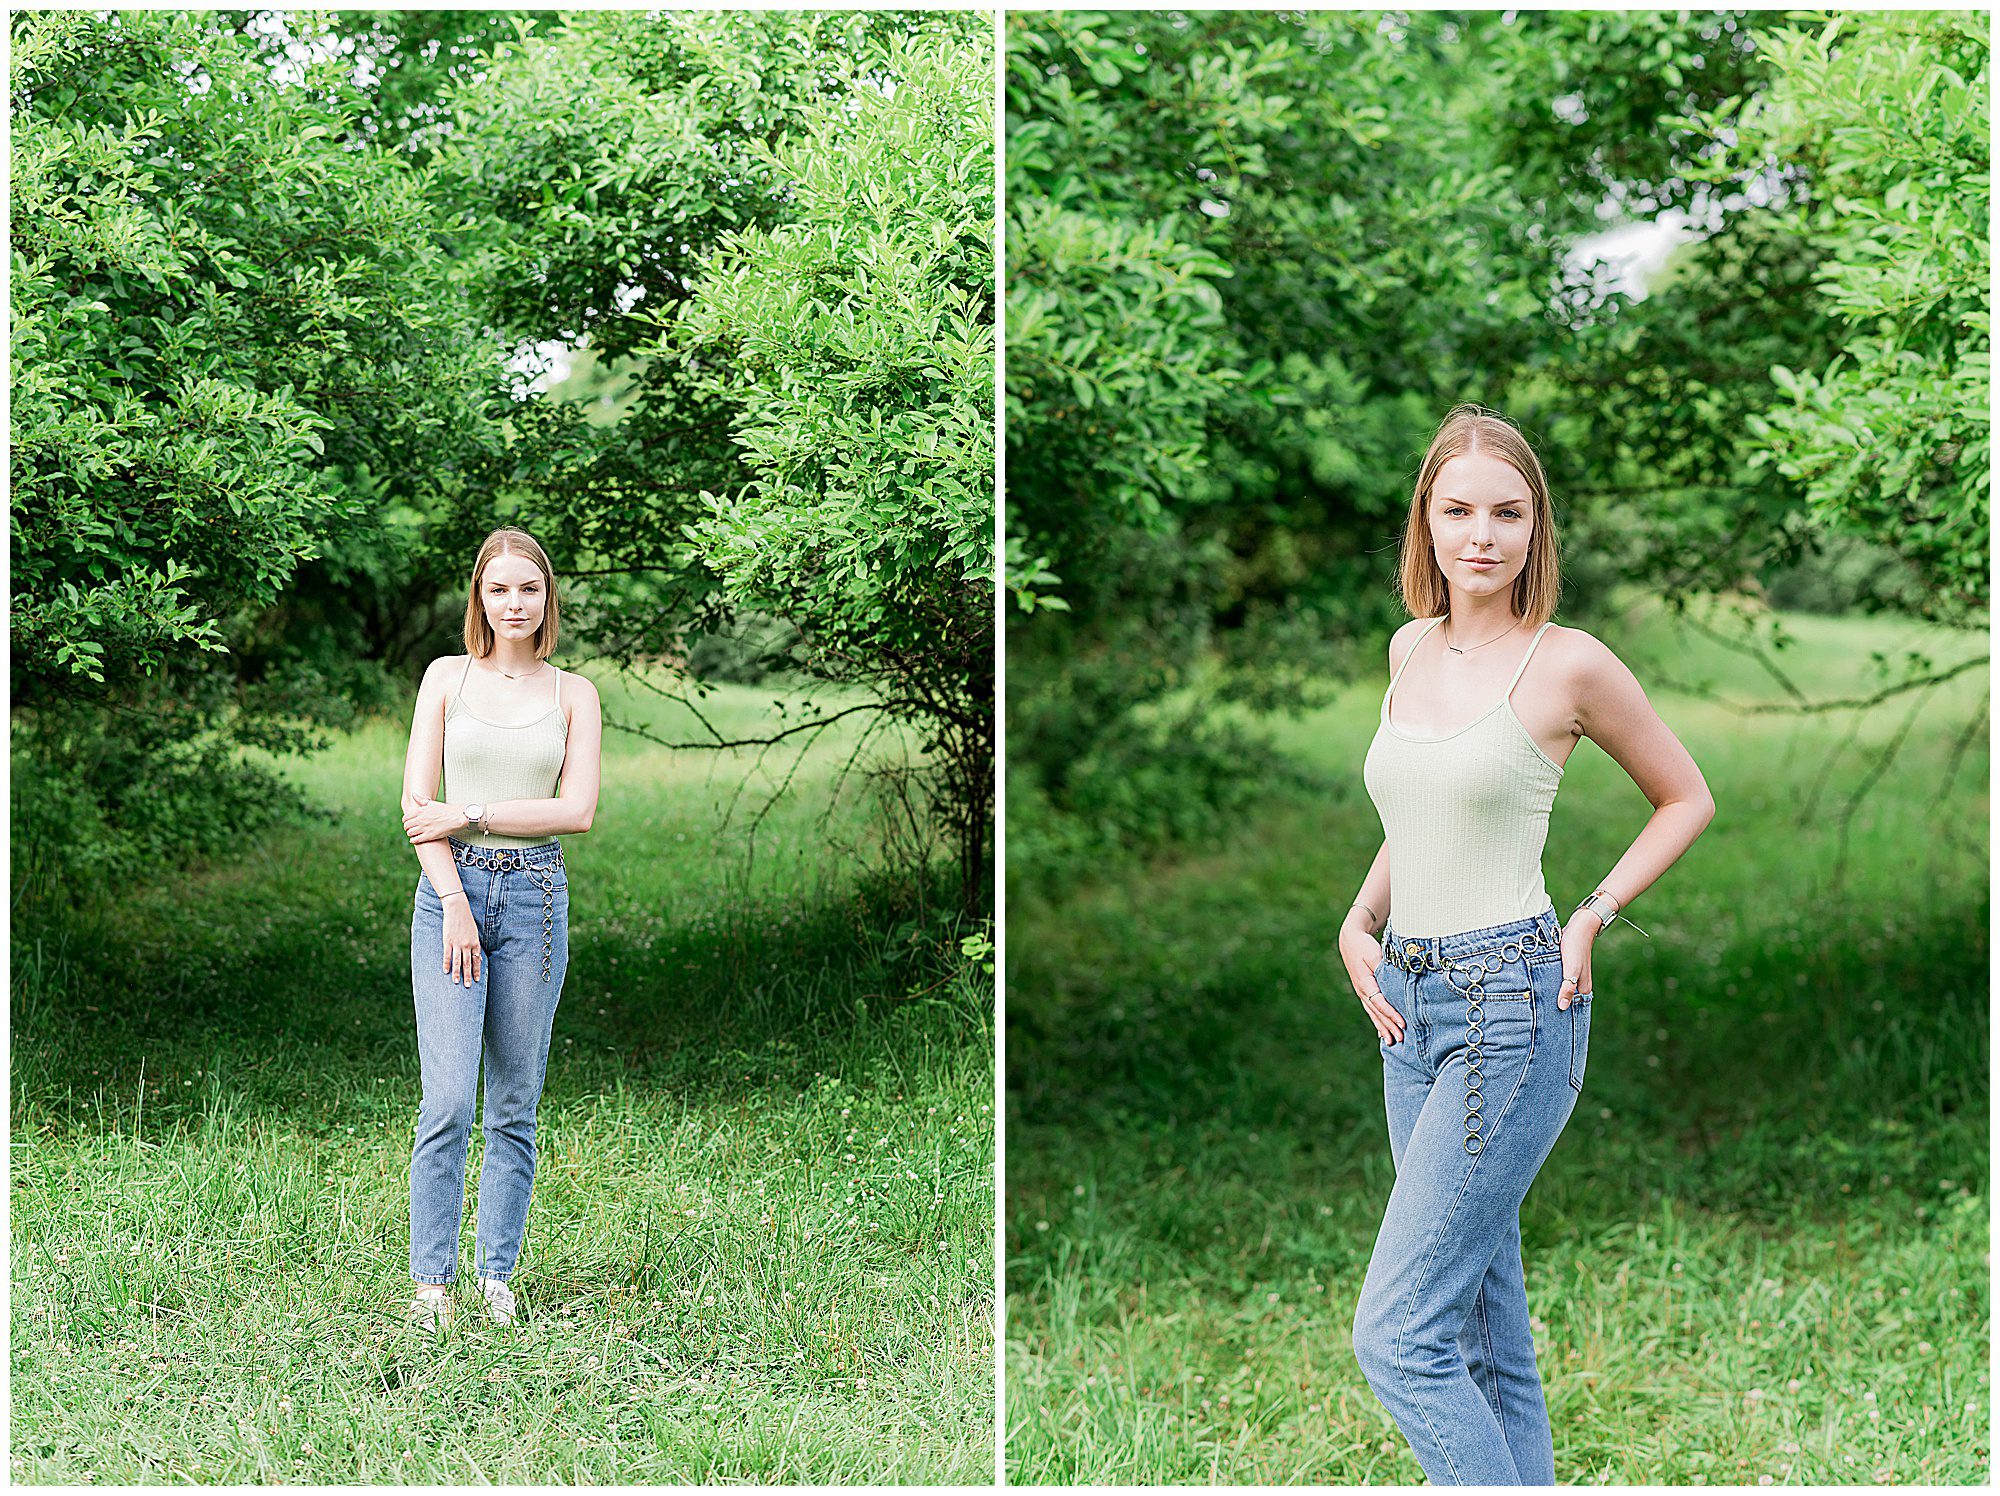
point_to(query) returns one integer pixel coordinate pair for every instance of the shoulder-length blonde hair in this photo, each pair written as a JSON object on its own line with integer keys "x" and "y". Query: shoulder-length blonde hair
{"x": 508, "y": 541}
{"x": 1471, "y": 428}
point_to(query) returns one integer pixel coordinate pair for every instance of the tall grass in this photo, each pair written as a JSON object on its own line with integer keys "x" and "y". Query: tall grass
{"x": 761, "y": 1239}
{"x": 1760, "y": 1249}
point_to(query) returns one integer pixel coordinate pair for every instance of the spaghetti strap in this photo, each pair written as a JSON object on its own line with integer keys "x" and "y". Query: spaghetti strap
{"x": 1408, "y": 655}
{"x": 558, "y": 695}
{"x": 459, "y": 695}
{"x": 1520, "y": 668}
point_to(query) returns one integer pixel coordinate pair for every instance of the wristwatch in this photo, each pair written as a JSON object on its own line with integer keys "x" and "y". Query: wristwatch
{"x": 475, "y": 817}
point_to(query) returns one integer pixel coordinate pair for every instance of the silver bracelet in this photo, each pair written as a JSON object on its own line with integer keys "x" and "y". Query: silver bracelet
{"x": 1357, "y": 904}
{"x": 1603, "y": 920}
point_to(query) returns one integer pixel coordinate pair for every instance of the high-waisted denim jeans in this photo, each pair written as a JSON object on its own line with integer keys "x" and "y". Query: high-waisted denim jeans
{"x": 1477, "y": 1090}
{"x": 522, "y": 911}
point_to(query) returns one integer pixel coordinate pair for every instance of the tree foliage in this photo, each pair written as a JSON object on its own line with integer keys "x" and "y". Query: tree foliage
{"x": 238, "y": 347}
{"x": 1889, "y": 439}
{"x": 778, "y": 227}
{"x": 855, "y": 342}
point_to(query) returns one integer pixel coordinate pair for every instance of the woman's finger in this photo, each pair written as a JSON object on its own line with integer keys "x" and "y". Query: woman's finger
{"x": 1381, "y": 1028}
{"x": 1386, "y": 1018}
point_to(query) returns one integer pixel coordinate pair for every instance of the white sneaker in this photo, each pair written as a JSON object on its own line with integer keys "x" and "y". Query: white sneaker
{"x": 430, "y": 1310}
{"x": 499, "y": 1300}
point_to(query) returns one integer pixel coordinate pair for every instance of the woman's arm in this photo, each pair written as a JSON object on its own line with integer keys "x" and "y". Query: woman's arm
{"x": 1368, "y": 916}
{"x": 421, "y": 767}
{"x": 575, "y": 805}
{"x": 1613, "y": 712}
{"x": 1374, "y": 894}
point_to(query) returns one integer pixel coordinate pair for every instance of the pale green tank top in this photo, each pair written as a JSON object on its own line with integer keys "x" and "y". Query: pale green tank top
{"x": 1465, "y": 815}
{"x": 488, "y": 761}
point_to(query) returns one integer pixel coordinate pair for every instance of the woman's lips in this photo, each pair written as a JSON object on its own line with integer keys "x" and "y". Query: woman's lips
{"x": 1483, "y": 565}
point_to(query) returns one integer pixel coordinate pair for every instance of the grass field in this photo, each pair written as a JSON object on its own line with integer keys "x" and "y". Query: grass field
{"x": 760, "y": 1246}
{"x": 1759, "y": 1253}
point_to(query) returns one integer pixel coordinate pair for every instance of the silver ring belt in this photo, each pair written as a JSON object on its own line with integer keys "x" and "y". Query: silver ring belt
{"x": 1426, "y": 954}
{"x": 503, "y": 859}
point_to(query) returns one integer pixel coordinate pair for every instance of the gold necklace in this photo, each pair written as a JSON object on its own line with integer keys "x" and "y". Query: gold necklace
{"x": 1483, "y": 643}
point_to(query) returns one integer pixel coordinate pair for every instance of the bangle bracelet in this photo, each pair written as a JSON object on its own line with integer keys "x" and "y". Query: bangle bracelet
{"x": 1603, "y": 921}
{"x": 1357, "y": 904}
{"x": 456, "y": 893}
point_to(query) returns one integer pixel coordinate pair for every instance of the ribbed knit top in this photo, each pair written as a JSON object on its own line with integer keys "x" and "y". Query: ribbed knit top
{"x": 1465, "y": 815}
{"x": 488, "y": 761}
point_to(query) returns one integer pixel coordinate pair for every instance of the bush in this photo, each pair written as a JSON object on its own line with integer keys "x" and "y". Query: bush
{"x": 1171, "y": 780}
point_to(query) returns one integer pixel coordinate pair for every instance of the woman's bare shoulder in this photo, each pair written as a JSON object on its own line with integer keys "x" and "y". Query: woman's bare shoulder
{"x": 1402, "y": 639}
{"x": 442, "y": 671}
{"x": 1577, "y": 644}
{"x": 1585, "y": 658}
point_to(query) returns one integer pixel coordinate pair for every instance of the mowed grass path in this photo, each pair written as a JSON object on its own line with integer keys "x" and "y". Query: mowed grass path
{"x": 760, "y": 1246}
{"x": 1760, "y": 1249}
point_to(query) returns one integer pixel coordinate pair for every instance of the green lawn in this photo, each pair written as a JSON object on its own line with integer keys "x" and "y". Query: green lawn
{"x": 1760, "y": 1249}
{"x": 761, "y": 1241}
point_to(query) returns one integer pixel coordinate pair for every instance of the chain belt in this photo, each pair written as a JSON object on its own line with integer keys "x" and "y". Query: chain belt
{"x": 1423, "y": 955}
{"x": 541, "y": 868}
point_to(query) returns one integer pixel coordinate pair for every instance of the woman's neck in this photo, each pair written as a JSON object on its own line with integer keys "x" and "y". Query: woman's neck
{"x": 1478, "y": 619}
{"x": 512, "y": 659}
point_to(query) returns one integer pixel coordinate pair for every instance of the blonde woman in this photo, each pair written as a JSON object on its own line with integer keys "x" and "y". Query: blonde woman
{"x": 517, "y": 742}
{"x": 1480, "y": 998}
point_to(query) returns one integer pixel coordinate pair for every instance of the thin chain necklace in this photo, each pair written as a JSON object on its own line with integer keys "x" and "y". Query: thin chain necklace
{"x": 1483, "y": 643}
{"x": 539, "y": 663}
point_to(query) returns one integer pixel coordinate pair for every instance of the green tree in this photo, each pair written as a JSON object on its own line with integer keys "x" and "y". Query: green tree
{"x": 239, "y": 345}
{"x": 1880, "y": 121}
{"x": 613, "y": 164}
{"x": 854, "y": 342}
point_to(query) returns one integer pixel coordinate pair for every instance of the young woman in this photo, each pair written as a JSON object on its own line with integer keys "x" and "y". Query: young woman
{"x": 1480, "y": 998}
{"x": 518, "y": 743}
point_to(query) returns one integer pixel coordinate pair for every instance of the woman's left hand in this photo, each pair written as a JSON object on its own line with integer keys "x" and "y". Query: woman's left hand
{"x": 1578, "y": 936}
{"x": 432, "y": 820}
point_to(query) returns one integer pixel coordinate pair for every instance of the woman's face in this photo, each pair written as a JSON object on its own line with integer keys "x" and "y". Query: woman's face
{"x": 1482, "y": 517}
{"x": 515, "y": 595}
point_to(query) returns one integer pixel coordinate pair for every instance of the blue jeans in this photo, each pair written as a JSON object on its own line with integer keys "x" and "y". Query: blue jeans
{"x": 520, "y": 902}
{"x": 1477, "y": 1091}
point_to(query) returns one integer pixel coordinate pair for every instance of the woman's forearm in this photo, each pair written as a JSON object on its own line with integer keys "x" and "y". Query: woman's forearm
{"x": 1661, "y": 842}
{"x": 435, "y": 859}
{"x": 1374, "y": 895}
{"x": 538, "y": 817}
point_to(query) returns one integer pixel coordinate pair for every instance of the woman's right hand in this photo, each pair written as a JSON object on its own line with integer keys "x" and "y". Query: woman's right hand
{"x": 462, "y": 955}
{"x": 1362, "y": 954}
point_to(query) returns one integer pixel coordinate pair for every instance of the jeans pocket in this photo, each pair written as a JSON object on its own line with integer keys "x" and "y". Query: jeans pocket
{"x": 1579, "y": 1038}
